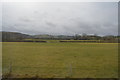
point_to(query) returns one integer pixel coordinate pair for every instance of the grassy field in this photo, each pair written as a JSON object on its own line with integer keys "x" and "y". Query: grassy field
{"x": 48, "y": 60}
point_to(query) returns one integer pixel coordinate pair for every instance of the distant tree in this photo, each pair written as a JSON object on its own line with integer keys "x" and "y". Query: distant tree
{"x": 77, "y": 37}
{"x": 84, "y": 36}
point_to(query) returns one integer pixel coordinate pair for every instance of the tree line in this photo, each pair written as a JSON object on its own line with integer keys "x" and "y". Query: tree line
{"x": 15, "y": 36}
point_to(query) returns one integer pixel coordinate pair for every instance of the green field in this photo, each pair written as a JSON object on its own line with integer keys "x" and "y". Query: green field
{"x": 56, "y": 60}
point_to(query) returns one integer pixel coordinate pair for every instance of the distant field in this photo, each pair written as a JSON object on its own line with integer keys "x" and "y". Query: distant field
{"x": 77, "y": 60}
{"x": 63, "y": 40}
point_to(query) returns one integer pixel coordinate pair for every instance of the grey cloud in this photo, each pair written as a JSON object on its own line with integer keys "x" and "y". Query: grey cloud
{"x": 61, "y": 18}
{"x": 51, "y": 24}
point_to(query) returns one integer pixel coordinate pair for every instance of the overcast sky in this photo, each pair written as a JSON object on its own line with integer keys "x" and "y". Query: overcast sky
{"x": 61, "y": 18}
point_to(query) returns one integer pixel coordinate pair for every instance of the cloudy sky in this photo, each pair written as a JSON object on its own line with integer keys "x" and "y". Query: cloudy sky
{"x": 61, "y": 18}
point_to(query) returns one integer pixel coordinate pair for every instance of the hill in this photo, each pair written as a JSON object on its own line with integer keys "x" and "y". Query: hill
{"x": 13, "y": 36}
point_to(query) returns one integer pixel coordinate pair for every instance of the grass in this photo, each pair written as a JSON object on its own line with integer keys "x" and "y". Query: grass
{"x": 59, "y": 60}
{"x": 52, "y": 41}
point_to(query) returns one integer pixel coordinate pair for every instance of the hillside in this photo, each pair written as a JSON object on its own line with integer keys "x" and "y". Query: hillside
{"x": 13, "y": 36}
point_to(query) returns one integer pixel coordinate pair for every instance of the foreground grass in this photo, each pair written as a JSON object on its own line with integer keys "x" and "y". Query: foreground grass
{"x": 77, "y": 60}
